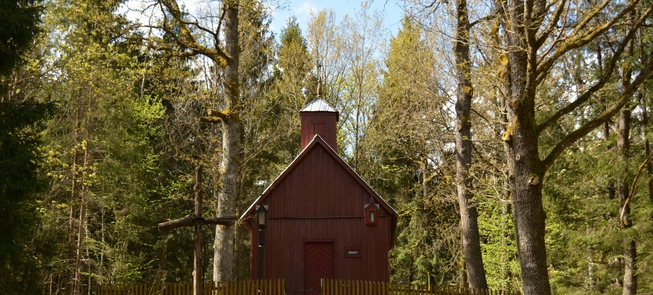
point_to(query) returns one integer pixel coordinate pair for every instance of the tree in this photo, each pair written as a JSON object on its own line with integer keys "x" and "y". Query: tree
{"x": 203, "y": 39}
{"x": 407, "y": 161}
{"x": 326, "y": 44}
{"x": 273, "y": 127}
{"x": 20, "y": 26}
{"x": 21, "y": 124}
{"x": 20, "y": 163}
{"x": 263, "y": 119}
{"x": 103, "y": 155}
{"x": 362, "y": 33}
{"x": 534, "y": 43}
{"x": 468, "y": 210}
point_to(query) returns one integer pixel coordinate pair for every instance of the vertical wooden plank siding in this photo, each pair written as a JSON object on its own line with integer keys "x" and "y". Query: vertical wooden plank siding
{"x": 322, "y": 123}
{"x": 319, "y": 200}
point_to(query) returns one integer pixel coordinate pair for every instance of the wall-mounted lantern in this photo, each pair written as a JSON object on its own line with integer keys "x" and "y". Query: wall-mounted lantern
{"x": 371, "y": 213}
{"x": 262, "y": 216}
{"x": 262, "y": 222}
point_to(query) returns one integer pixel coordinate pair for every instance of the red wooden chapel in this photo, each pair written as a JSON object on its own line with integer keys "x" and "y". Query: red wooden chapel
{"x": 323, "y": 220}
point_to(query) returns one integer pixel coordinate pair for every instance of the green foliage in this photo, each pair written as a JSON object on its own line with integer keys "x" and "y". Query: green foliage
{"x": 408, "y": 164}
{"x": 96, "y": 173}
{"x": 20, "y": 20}
{"x": 23, "y": 252}
{"x": 20, "y": 162}
{"x": 585, "y": 240}
{"x": 106, "y": 153}
{"x": 498, "y": 243}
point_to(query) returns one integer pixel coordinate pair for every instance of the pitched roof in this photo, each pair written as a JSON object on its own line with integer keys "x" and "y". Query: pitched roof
{"x": 317, "y": 140}
{"x": 318, "y": 105}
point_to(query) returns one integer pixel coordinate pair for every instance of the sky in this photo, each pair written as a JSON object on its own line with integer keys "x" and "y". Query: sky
{"x": 302, "y": 9}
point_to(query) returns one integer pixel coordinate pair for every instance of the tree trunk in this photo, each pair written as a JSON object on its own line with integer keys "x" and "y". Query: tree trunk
{"x": 523, "y": 38}
{"x": 198, "y": 263}
{"x": 74, "y": 197}
{"x": 647, "y": 148}
{"x": 224, "y": 251}
{"x": 528, "y": 213}
{"x": 468, "y": 213}
{"x": 630, "y": 267}
{"x": 224, "y": 263}
{"x": 591, "y": 281}
{"x": 524, "y": 163}
{"x": 80, "y": 225}
{"x": 612, "y": 191}
{"x": 623, "y": 143}
{"x": 630, "y": 253}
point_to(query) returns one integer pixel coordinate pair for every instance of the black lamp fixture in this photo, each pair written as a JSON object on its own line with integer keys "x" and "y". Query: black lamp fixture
{"x": 262, "y": 222}
{"x": 262, "y": 216}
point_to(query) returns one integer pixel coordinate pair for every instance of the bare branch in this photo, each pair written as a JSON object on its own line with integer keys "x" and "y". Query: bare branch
{"x": 586, "y": 128}
{"x": 191, "y": 220}
{"x": 185, "y": 39}
{"x": 550, "y": 28}
{"x": 588, "y": 94}
{"x": 622, "y": 215}
{"x": 579, "y": 39}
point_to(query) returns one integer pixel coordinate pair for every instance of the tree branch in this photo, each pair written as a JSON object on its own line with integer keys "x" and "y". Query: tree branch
{"x": 622, "y": 215}
{"x": 581, "y": 39}
{"x": 552, "y": 23}
{"x": 191, "y": 220}
{"x": 215, "y": 116}
{"x": 596, "y": 87}
{"x": 586, "y": 128}
{"x": 185, "y": 38}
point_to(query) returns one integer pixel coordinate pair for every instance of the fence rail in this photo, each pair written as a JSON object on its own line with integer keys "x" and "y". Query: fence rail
{"x": 352, "y": 287}
{"x": 253, "y": 287}
{"x": 278, "y": 287}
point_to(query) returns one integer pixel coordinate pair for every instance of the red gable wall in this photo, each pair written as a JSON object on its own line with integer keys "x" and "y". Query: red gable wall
{"x": 318, "y": 200}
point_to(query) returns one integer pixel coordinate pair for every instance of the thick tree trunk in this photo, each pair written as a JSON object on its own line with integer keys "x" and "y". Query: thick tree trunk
{"x": 224, "y": 251}
{"x": 523, "y": 39}
{"x": 521, "y": 137}
{"x": 468, "y": 212}
{"x": 528, "y": 213}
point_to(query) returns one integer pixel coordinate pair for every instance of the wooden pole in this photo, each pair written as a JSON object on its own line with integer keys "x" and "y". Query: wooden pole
{"x": 198, "y": 273}
{"x": 196, "y": 220}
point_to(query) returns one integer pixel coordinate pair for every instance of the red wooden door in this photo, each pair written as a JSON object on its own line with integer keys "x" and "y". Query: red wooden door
{"x": 318, "y": 264}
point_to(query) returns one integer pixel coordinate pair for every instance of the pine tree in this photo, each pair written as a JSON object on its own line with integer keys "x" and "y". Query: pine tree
{"x": 409, "y": 160}
{"x": 21, "y": 123}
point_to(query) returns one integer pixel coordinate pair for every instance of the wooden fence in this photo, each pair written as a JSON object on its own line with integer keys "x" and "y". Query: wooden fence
{"x": 253, "y": 287}
{"x": 351, "y": 287}
{"x": 278, "y": 287}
